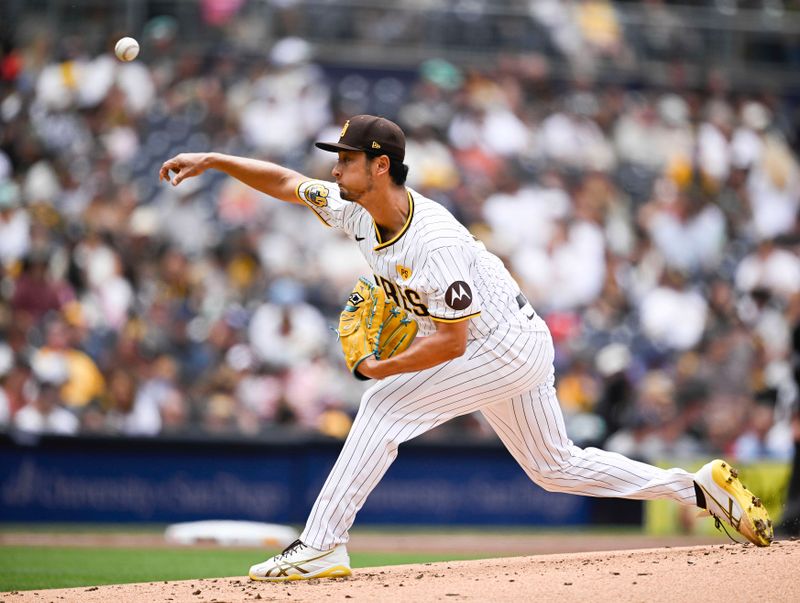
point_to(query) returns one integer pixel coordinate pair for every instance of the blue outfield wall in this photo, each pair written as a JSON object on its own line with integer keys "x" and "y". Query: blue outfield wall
{"x": 55, "y": 479}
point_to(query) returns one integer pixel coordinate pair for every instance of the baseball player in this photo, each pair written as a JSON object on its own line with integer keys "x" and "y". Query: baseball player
{"x": 481, "y": 347}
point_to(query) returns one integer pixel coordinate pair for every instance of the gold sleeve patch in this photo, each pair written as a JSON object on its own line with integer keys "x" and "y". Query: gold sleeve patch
{"x": 317, "y": 194}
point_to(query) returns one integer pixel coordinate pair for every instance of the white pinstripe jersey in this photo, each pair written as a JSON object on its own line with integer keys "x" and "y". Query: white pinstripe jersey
{"x": 433, "y": 267}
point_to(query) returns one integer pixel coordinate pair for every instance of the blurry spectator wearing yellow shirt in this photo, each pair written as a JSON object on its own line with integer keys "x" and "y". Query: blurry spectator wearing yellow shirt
{"x": 84, "y": 381}
{"x": 599, "y": 25}
{"x": 578, "y": 389}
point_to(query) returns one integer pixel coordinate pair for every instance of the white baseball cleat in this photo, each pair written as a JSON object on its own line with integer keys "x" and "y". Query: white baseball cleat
{"x": 727, "y": 499}
{"x": 299, "y": 561}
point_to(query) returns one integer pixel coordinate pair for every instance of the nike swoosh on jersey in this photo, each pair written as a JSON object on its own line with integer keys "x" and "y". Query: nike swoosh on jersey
{"x": 359, "y": 238}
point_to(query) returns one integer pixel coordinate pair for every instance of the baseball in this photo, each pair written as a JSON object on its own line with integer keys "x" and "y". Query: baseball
{"x": 126, "y": 49}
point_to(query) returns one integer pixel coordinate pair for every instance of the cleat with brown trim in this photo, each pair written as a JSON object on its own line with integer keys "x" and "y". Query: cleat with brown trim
{"x": 299, "y": 561}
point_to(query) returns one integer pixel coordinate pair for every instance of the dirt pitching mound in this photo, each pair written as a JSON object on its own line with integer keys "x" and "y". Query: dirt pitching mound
{"x": 725, "y": 573}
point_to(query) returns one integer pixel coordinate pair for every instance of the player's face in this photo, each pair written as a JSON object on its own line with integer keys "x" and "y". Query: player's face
{"x": 353, "y": 174}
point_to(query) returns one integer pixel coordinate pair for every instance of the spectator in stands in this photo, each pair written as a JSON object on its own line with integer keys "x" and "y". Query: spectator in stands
{"x": 616, "y": 399}
{"x": 757, "y": 442}
{"x": 186, "y": 220}
{"x": 121, "y": 415}
{"x": 35, "y": 291}
{"x": 108, "y": 294}
{"x": 6, "y": 362}
{"x": 769, "y": 267}
{"x": 569, "y": 272}
{"x": 286, "y": 330}
{"x": 44, "y": 412}
{"x": 636, "y": 439}
{"x": 83, "y": 381}
{"x": 687, "y": 230}
{"x": 525, "y": 213}
{"x": 578, "y": 388}
{"x": 141, "y": 413}
{"x": 773, "y": 182}
{"x": 600, "y": 28}
{"x": 175, "y": 415}
{"x": 667, "y": 35}
{"x": 219, "y": 414}
{"x": 287, "y": 103}
{"x": 674, "y": 314}
{"x": 714, "y": 141}
{"x": 430, "y": 161}
{"x": 14, "y": 225}
{"x": 573, "y": 138}
{"x": 595, "y": 193}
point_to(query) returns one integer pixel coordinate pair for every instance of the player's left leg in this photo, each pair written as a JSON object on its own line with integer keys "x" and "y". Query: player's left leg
{"x": 508, "y": 361}
{"x": 401, "y": 407}
{"x": 532, "y": 428}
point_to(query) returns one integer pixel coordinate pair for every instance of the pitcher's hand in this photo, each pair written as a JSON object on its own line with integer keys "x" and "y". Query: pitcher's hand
{"x": 185, "y": 165}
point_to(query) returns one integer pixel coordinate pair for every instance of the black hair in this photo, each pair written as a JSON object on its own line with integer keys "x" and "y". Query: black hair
{"x": 398, "y": 171}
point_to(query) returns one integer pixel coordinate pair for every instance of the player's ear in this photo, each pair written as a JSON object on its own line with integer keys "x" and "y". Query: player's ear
{"x": 380, "y": 164}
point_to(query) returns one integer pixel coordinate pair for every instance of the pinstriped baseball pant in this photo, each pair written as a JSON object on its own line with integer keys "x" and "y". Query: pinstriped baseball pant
{"x": 508, "y": 376}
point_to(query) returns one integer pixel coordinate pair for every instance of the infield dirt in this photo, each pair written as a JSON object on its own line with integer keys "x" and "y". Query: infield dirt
{"x": 726, "y": 573}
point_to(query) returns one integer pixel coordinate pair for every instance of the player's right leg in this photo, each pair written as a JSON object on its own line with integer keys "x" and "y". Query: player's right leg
{"x": 532, "y": 428}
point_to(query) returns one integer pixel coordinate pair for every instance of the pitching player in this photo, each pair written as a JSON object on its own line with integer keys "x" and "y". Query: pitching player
{"x": 481, "y": 347}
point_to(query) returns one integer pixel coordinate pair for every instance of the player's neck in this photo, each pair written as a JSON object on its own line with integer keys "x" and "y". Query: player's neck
{"x": 389, "y": 210}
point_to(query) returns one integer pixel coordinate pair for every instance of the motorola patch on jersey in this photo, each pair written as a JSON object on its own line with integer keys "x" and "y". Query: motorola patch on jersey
{"x": 458, "y": 295}
{"x": 317, "y": 194}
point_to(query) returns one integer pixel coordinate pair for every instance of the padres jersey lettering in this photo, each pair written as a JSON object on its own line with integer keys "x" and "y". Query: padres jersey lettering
{"x": 402, "y": 296}
{"x": 437, "y": 268}
{"x": 418, "y": 307}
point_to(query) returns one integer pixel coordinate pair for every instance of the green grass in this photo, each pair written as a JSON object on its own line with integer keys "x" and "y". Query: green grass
{"x": 29, "y": 568}
{"x": 81, "y": 528}
{"x": 136, "y": 528}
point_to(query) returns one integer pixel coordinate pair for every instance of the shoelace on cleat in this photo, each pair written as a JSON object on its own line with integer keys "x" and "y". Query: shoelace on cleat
{"x": 721, "y": 527}
{"x": 295, "y": 546}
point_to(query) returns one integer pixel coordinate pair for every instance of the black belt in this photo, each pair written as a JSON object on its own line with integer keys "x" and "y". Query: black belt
{"x": 523, "y": 301}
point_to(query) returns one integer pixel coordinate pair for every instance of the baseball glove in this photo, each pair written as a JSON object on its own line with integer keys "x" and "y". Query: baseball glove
{"x": 371, "y": 325}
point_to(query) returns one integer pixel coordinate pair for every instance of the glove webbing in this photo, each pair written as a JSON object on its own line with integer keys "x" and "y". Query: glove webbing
{"x": 395, "y": 311}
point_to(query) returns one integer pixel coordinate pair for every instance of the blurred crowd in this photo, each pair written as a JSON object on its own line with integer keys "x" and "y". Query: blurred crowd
{"x": 657, "y": 231}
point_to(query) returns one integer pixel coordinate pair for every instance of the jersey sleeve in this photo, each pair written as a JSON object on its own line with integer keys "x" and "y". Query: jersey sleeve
{"x": 452, "y": 296}
{"x": 324, "y": 199}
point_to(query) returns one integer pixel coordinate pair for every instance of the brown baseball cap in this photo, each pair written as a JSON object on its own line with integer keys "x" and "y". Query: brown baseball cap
{"x": 371, "y": 134}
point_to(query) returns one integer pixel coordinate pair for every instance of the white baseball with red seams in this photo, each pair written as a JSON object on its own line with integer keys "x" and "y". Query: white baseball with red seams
{"x": 438, "y": 271}
{"x": 126, "y": 49}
